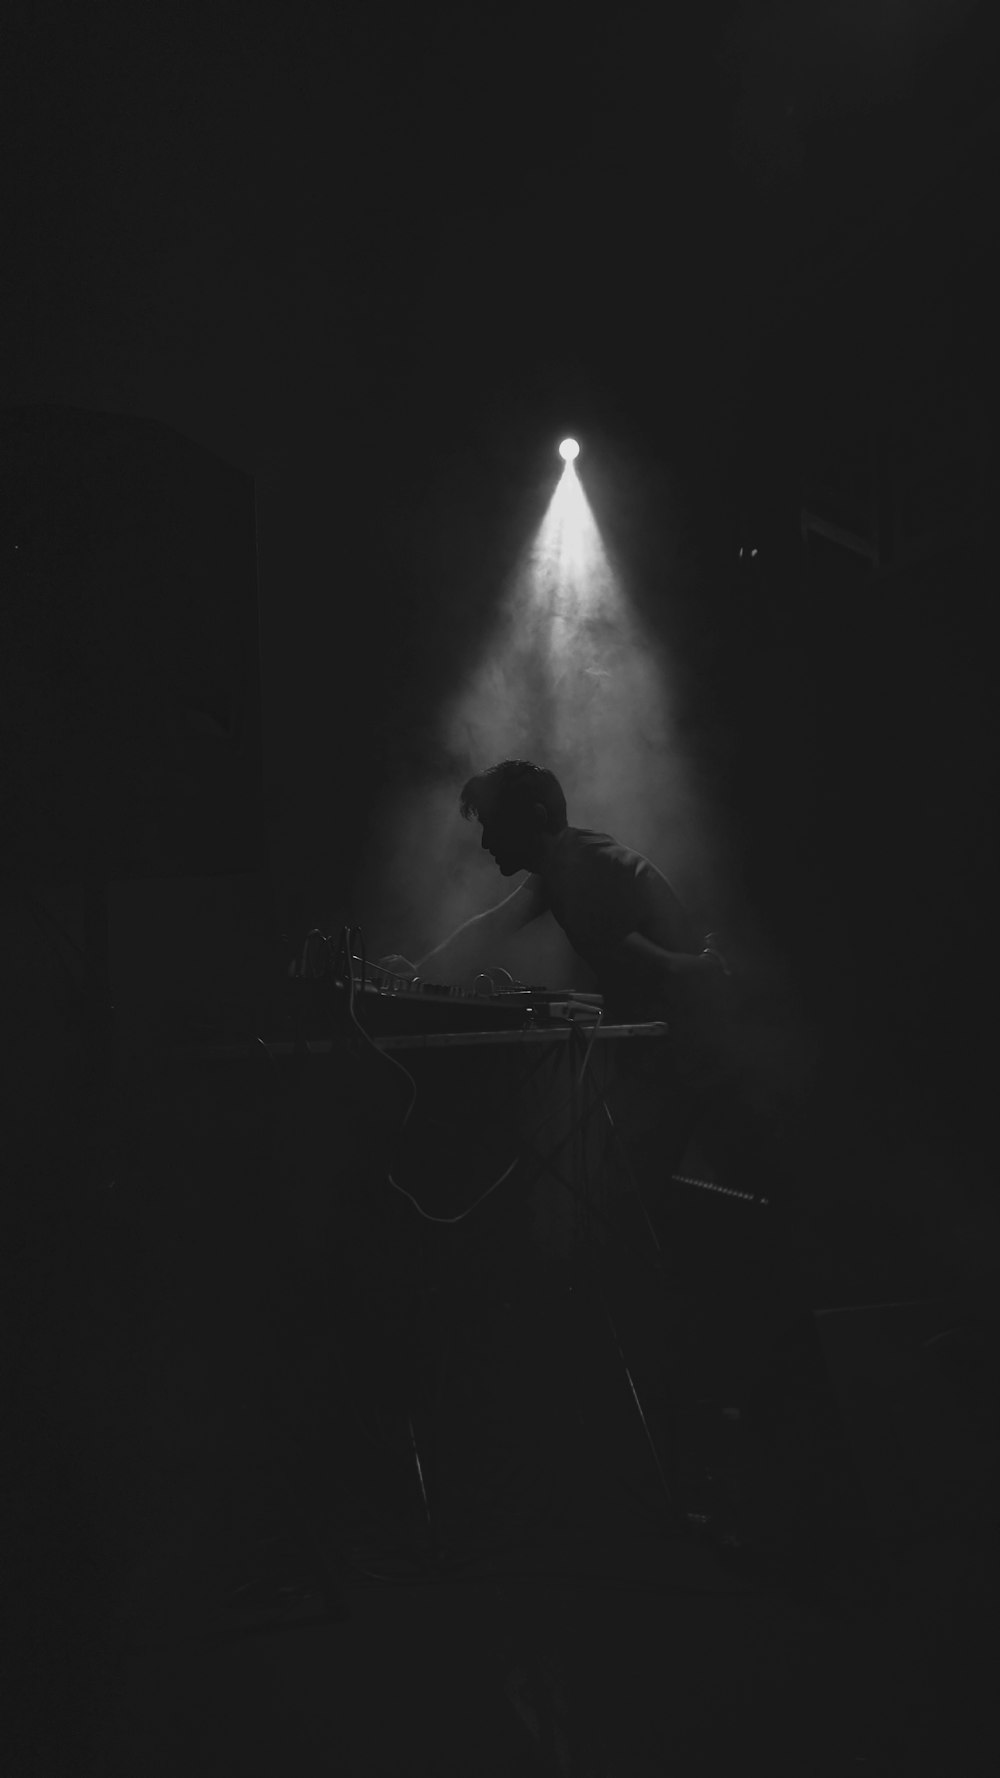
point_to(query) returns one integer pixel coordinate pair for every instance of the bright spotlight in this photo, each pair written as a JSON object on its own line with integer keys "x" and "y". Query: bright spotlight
{"x": 569, "y": 449}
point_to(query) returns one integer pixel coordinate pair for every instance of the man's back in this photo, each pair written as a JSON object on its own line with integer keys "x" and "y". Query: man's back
{"x": 599, "y": 891}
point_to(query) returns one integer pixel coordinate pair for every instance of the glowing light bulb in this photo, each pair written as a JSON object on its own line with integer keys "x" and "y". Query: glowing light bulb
{"x": 569, "y": 449}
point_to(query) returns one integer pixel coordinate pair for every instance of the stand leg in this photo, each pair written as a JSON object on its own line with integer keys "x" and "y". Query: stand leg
{"x": 640, "y": 1410}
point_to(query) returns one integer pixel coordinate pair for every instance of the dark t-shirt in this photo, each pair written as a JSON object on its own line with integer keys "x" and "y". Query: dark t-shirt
{"x": 599, "y": 892}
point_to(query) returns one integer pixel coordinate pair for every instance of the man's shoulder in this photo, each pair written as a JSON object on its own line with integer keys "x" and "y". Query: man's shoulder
{"x": 588, "y": 844}
{"x": 601, "y": 857}
{"x": 589, "y": 840}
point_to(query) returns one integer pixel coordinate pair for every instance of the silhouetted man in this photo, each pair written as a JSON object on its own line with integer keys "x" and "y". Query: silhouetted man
{"x": 619, "y": 913}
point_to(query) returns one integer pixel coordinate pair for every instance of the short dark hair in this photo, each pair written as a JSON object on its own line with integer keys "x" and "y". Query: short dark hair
{"x": 513, "y": 786}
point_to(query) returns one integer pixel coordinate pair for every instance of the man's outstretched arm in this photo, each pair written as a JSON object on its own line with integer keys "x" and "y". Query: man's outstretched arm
{"x": 459, "y": 959}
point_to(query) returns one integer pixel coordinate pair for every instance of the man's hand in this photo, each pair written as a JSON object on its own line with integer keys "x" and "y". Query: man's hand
{"x": 711, "y": 949}
{"x": 394, "y": 964}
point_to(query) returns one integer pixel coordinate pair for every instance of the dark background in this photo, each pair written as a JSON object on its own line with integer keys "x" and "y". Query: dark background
{"x": 358, "y": 270}
{"x": 380, "y": 262}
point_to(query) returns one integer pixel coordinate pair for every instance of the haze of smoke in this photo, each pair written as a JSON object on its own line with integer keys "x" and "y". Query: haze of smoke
{"x": 423, "y": 871}
{"x": 568, "y": 678}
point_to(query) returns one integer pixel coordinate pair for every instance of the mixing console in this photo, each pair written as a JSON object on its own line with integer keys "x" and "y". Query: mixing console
{"x": 396, "y": 1003}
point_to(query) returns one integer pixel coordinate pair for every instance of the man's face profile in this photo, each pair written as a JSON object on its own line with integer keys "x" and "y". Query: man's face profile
{"x": 509, "y": 836}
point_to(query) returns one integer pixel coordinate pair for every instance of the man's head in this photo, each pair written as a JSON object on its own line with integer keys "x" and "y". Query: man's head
{"x": 521, "y": 808}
